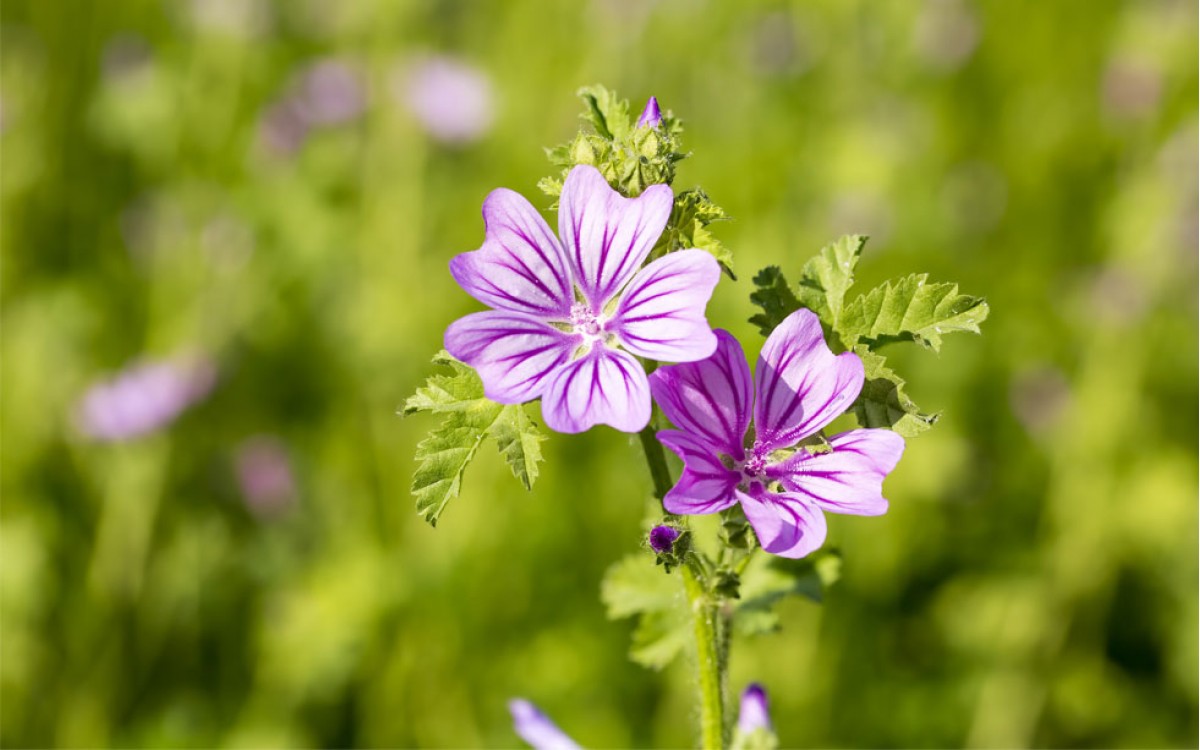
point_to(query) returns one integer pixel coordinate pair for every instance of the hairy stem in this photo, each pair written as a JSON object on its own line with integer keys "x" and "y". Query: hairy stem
{"x": 710, "y": 659}
{"x": 712, "y": 650}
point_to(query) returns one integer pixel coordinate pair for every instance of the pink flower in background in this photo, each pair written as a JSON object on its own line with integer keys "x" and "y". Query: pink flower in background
{"x": 327, "y": 93}
{"x": 144, "y": 398}
{"x": 330, "y": 93}
{"x": 264, "y": 474}
{"x": 452, "y": 100}
{"x": 570, "y": 317}
{"x": 798, "y": 389}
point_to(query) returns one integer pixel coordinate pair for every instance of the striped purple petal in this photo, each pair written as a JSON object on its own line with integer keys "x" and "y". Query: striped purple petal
{"x": 607, "y": 236}
{"x": 706, "y": 485}
{"x": 605, "y": 386}
{"x": 849, "y": 479}
{"x": 535, "y": 727}
{"x": 514, "y": 354}
{"x": 710, "y": 399}
{"x": 801, "y": 385}
{"x": 521, "y": 266}
{"x": 661, "y": 314}
{"x": 785, "y": 524}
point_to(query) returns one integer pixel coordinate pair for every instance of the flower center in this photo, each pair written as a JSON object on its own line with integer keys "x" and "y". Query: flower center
{"x": 753, "y": 468}
{"x": 587, "y": 323}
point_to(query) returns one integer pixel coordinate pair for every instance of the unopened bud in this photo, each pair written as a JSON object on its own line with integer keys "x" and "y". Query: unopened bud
{"x": 662, "y": 539}
{"x": 651, "y": 115}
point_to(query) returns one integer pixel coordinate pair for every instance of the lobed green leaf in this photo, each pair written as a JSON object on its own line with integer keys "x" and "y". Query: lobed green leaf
{"x": 445, "y": 453}
{"x": 883, "y": 402}
{"x": 910, "y": 309}
{"x": 827, "y": 276}
{"x": 635, "y": 586}
{"x": 687, "y": 228}
{"x": 767, "y": 579}
{"x": 775, "y": 297}
{"x": 519, "y": 441}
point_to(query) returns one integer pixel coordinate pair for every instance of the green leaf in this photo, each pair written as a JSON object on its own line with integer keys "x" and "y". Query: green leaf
{"x": 909, "y": 309}
{"x": 827, "y": 276}
{"x": 822, "y": 287}
{"x": 519, "y": 441}
{"x": 635, "y": 586}
{"x": 605, "y": 111}
{"x": 883, "y": 402}
{"x": 767, "y": 579}
{"x": 687, "y": 228}
{"x": 660, "y": 637}
{"x": 444, "y": 454}
{"x": 775, "y": 297}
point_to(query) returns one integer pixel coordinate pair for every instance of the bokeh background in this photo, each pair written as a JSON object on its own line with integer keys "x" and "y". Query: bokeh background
{"x": 225, "y": 232}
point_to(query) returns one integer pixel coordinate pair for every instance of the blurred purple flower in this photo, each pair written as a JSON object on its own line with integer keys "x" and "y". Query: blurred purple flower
{"x": 452, "y": 100}
{"x": 144, "y": 398}
{"x": 330, "y": 93}
{"x": 565, "y": 311}
{"x": 782, "y": 487}
{"x": 662, "y": 538}
{"x": 325, "y": 94}
{"x": 535, "y": 727}
{"x": 264, "y": 474}
{"x": 753, "y": 714}
{"x": 282, "y": 128}
{"x": 651, "y": 115}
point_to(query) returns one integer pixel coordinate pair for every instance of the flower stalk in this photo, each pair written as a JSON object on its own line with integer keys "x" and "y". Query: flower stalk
{"x": 711, "y": 658}
{"x": 712, "y": 652}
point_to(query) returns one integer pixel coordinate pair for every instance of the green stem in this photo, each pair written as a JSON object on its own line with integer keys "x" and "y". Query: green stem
{"x": 710, "y": 660}
{"x": 711, "y": 647}
{"x": 656, "y": 460}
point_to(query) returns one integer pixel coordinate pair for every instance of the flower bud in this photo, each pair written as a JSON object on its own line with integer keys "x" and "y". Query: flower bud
{"x": 662, "y": 539}
{"x": 651, "y": 115}
{"x": 753, "y": 713}
{"x": 535, "y": 727}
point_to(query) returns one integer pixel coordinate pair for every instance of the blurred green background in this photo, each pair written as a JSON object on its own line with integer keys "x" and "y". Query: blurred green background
{"x": 264, "y": 186}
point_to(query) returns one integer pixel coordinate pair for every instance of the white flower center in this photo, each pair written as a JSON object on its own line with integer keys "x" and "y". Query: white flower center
{"x": 589, "y": 324}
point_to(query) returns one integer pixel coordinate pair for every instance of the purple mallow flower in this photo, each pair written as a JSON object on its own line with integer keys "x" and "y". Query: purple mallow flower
{"x": 783, "y": 489}
{"x": 753, "y": 714}
{"x": 571, "y": 316}
{"x": 662, "y": 539}
{"x": 144, "y": 398}
{"x": 535, "y": 727}
{"x": 651, "y": 115}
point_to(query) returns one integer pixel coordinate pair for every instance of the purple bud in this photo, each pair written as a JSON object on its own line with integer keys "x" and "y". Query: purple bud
{"x": 753, "y": 713}
{"x": 535, "y": 727}
{"x": 651, "y": 115}
{"x": 662, "y": 538}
